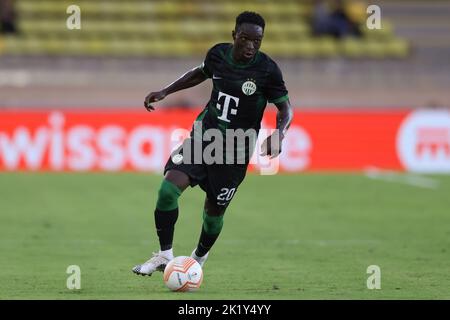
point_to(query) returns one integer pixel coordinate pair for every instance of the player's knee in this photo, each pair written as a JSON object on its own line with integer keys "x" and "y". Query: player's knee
{"x": 212, "y": 209}
{"x": 168, "y": 196}
{"x": 212, "y": 224}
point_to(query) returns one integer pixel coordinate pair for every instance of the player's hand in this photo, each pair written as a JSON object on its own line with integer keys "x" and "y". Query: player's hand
{"x": 272, "y": 145}
{"x": 153, "y": 97}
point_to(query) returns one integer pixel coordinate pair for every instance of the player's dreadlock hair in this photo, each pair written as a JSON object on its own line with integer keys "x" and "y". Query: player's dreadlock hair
{"x": 250, "y": 17}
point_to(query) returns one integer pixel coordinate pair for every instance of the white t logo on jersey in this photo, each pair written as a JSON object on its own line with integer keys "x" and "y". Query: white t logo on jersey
{"x": 226, "y": 106}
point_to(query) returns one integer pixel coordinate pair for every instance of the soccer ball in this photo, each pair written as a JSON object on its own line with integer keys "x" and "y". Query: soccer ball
{"x": 183, "y": 274}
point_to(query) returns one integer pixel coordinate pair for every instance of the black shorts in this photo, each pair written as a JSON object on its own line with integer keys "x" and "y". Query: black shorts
{"x": 219, "y": 181}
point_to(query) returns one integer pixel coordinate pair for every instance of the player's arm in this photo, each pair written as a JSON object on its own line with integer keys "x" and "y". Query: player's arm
{"x": 272, "y": 145}
{"x": 187, "y": 80}
{"x": 285, "y": 115}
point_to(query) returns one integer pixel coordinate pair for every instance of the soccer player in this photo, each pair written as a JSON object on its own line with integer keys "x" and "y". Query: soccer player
{"x": 244, "y": 80}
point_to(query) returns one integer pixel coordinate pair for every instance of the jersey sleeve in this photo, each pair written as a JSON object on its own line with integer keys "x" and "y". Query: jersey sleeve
{"x": 275, "y": 90}
{"x": 206, "y": 66}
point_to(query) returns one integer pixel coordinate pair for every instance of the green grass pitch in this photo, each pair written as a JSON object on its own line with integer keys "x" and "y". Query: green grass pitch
{"x": 307, "y": 236}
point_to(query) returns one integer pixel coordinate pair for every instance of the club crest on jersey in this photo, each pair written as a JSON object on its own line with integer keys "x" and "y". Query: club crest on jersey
{"x": 249, "y": 87}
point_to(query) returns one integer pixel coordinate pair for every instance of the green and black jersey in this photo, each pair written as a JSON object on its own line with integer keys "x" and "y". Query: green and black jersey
{"x": 239, "y": 96}
{"x": 240, "y": 91}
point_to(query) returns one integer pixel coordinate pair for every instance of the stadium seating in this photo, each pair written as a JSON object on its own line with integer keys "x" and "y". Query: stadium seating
{"x": 181, "y": 28}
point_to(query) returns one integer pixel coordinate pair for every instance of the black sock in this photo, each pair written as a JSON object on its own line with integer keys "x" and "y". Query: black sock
{"x": 205, "y": 243}
{"x": 165, "y": 226}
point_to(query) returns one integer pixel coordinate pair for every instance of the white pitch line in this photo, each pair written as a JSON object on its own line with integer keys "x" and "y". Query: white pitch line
{"x": 303, "y": 242}
{"x": 405, "y": 178}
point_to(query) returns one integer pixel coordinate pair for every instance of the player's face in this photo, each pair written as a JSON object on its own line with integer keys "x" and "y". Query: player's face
{"x": 247, "y": 41}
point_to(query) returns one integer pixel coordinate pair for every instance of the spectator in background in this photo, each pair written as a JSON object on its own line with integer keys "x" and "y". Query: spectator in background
{"x": 320, "y": 17}
{"x": 7, "y": 17}
{"x": 336, "y": 18}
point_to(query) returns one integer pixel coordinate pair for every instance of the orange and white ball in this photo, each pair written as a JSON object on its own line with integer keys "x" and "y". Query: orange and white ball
{"x": 183, "y": 274}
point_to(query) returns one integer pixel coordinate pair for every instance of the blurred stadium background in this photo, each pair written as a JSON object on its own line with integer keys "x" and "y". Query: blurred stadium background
{"x": 355, "y": 97}
{"x": 138, "y": 46}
